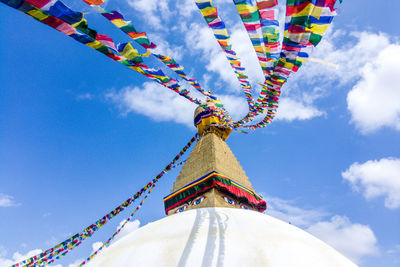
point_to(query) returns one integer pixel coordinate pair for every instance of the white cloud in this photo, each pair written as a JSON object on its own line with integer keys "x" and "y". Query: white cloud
{"x": 85, "y": 96}
{"x": 152, "y": 10}
{"x": 52, "y": 241}
{"x": 352, "y": 239}
{"x": 16, "y": 257}
{"x": 96, "y": 246}
{"x": 243, "y": 47}
{"x": 3, "y": 251}
{"x": 374, "y": 102}
{"x": 186, "y": 7}
{"x": 376, "y": 178}
{"x": 394, "y": 250}
{"x": 157, "y": 13}
{"x": 368, "y": 62}
{"x": 161, "y": 104}
{"x": 290, "y": 109}
{"x": 235, "y": 105}
{"x": 76, "y": 263}
{"x": 155, "y": 101}
{"x": 165, "y": 48}
{"x": 286, "y": 211}
{"x": 201, "y": 40}
{"x": 7, "y": 201}
{"x": 356, "y": 50}
{"x": 130, "y": 227}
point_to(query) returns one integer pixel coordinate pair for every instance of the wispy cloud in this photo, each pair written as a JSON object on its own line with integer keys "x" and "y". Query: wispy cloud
{"x": 376, "y": 178}
{"x": 75, "y": 263}
{"x": 394, "y": 250}
{"x": 186, "y": 7}
{"x": 85, "y": 96}
{"x": 161, "y": 104}
{"x": 154, "y": 101}
{"x": 152, "y": 10}
{"x": 368, "y": 62}
{"x": 285, "y": 210}
{"x": 350, "y": 51}
{"x": 353, "y": 240}
{"x": 129, "y": 228}
{"x": 96, "y": 246}
{"x": 290, "y": 109}
{"x": 7, "y": 201}
{"x": 16, "y": 257}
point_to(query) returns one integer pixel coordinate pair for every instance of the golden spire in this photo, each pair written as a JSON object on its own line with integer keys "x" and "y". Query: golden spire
{"x": 212, "y": 172}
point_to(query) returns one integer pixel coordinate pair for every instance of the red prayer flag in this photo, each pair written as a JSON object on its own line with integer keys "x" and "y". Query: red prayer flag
{"x": 94, "y": 2}
{"x": 38, "y": 3}
{"x": 266, "y": 4}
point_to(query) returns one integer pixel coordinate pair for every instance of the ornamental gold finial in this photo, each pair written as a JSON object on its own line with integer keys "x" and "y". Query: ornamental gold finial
{"x": 207, "y": 121}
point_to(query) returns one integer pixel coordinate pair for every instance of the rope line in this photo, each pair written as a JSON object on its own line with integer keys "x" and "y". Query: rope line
{"x": 105, "y": 244}
{"x": 61, "y": 249}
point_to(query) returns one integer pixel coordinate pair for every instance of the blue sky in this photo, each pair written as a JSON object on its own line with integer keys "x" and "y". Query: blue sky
{"x": 79, "y": 133}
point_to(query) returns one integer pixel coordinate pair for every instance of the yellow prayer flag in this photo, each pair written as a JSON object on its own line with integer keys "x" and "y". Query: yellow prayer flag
{"x": 129, "y": 52}
{"x": 95, "y": 44}
{"x": 319, "y": 29}
{"x": 148, "y": 53}
{"x": 137, "y": 68}
{"x": 38, "y": 14}
{"x": 259, "y": 49}
{"x": 246, "y": 8}
{"x": 208, "y": 11}
{"x": 119, "y": 22}
{"x": 310, "y": 10}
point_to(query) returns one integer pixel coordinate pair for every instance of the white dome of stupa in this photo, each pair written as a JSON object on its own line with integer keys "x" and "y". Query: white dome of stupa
{"x": 220, "y": 237}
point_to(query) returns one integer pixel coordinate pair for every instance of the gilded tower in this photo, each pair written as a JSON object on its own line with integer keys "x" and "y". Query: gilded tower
{"x": 211, "y": 176}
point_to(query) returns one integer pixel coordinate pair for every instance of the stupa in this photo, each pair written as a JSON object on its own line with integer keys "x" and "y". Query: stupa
{"x": 215, "y": 219}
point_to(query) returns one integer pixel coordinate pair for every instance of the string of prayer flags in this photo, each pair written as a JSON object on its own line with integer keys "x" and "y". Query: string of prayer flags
{"x": 141, "y": 38}
{"x": 89, "y": 37}
{"x": 105, "y": 244}
{"x": 178, "y": 69}
{"x": 305, "y": 23}
{"x": 126, "y": 26}
{"x": 210, "y": 14}
{"x": 67, "y": 245}
{"x": 64, "y": 247}
{"x": 261, "y": 24}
